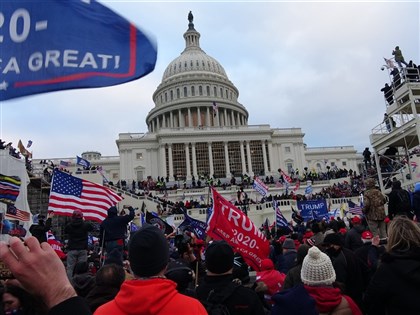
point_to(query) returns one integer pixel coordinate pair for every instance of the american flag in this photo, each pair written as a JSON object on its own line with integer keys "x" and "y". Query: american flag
{"x": 286, "y": 177}
{"x": 215, "y": 109}
{"x": 280, "y": 219}
{"x": 14, "y": 213}
{"x": 69, "y": 193}
{"x": 355, "y": 209}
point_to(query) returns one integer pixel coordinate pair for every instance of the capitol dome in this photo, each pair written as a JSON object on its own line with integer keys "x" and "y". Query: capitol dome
{"x": 195, "y": 91}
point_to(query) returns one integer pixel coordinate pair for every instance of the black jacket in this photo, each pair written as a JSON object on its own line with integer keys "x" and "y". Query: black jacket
{"x": 100, "y": 295}
{"x": 77, "y": 231}
{"x": 40, "y": 230}
{"x": 395, "y": 287}
{"x": 72, "y": 306}
{"x": 114, "y": 226}
{"x": 353, "y": 239}
{"x": 243, "y": 301}
{"x": 399, "y": 203}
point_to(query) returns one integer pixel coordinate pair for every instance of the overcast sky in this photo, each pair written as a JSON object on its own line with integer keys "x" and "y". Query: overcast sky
{"x": 313, "y": 65}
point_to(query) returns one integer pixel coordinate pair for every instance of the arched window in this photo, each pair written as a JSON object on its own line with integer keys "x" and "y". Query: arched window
{"x": 178, "y": 94}
{"x": 208, "y": 90}
{"x": 185, "y": 91}
{"x": 172, "y": 95}
{"x": 200, "y": 90}
{"x": 192, "y": 91}
{"x": 166, "y": 97}
{"x": 215, "y": 91}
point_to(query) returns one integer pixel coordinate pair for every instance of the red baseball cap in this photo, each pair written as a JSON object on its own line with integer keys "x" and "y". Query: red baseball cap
{"x": 367, "y": 235}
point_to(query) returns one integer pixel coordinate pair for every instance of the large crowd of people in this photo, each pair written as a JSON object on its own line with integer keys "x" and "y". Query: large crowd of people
{"x": 366, "y": 264}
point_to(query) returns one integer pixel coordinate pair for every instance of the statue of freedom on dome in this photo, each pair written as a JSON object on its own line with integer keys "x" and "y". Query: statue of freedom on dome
{"x": 190, "y": 17}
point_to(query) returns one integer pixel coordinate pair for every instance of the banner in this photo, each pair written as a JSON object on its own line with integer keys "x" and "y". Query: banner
{"x": 56, "y": 45}
{"x": 313, "y": 209}
{"x": 82, "y": 162}
{"x": 193, "y": 225}
{"x": 229, "y": 223}
{"x": 259, "y": 186}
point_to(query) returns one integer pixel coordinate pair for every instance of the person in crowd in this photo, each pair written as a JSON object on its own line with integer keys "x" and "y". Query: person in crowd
{"x": 108, "y": 281}
{"x": 17, "y": 301}
{"x": 289, "y": 256}
{"x": 389, "y": 122}
{"x": 113, "y": 230}
{"x": 347, "y": 267}
{"x": 353, "y": 238}
{"x": 367, "y": 157}
{"x": 387, "y": 89}
{"x": 273, "y": 279}
{"x": 179, "y": 272}
{"x": 41, "y": 272}
{"x": 374, "y": 209}
{"x": 369, "y": 255}
{"x": 318, "y": 236}
{"x": 77, "y": 231}
{"x": 219, "y": 259}
{"x": 82, "y": 280}
{"x": 399, "y": 201}
{"x": 318, "y": 276}
{"x": 399, "y": 58}
{"x": 396, "y": 78}
{"x": 395, "y": 287}
{"x": 148, "y": 254}
{"x": 293, "y": 276}
{"x": 416, "y": 201}
{"x": 40, "y": 230}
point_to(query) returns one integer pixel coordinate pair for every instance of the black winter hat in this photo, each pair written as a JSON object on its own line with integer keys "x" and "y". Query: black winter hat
{"x": 148, "y": 251}
{"x": 219, "y": 257}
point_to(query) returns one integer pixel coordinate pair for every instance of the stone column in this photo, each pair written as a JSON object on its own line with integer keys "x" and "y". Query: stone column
{"x": 208, "y": 116}
{"x": 270, "y": 156}
{"x": 264, "y": 157}
{"x": 171, "y": 119}
{"x": 162, "y": 161}
{"x": 180, "y": 124}
{"x": 194, "y": 160}
{"x": 171, "y": 164}
{"x": 211, "y": 159}
{"x": 248, "y": 154}
{"x": 243, "y": 157}
{"x": 199, "y": 117}
{"x": 227, "y": 159}
{"x": 187, "y": 157}
{"x": 189, "y": 118}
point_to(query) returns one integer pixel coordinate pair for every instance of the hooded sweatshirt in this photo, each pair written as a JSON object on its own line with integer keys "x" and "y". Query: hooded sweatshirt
{"x": 330, "y": 300}
{"x": 149, "y": 297}
{"x": 272, "y": 278}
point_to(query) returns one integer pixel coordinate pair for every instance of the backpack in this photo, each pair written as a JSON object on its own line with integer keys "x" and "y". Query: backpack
{"x": 214, "y": 302}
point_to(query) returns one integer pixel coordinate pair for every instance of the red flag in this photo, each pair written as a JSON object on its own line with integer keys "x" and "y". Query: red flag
{"x": 229, "y": 223}
{"x": 297, "y": 186}
{"x": 286, "y": 177}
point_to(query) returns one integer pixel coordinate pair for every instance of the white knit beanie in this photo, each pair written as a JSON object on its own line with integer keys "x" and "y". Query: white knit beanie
{"x": 317, "y": 268}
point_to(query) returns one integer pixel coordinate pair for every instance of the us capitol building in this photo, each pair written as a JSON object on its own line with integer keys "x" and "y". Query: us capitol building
{"x": 198, "y": 127}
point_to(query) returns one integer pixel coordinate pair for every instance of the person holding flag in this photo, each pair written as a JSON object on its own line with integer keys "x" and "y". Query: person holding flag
{"x": 113, "y": 230}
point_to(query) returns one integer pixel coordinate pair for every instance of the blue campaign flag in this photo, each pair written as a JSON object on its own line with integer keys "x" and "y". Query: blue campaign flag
{"x": 82, "y": 162}
{"x": 193, "y": 225}
{"x": 313, "y": 209}
{"x": 56, "y": 45}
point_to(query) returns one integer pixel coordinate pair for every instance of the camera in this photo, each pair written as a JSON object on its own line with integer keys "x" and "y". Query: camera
{"x": 382, "y": 68}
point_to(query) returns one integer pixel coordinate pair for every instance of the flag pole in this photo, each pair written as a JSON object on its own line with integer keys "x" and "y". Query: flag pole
{"x": 102, "y": 249}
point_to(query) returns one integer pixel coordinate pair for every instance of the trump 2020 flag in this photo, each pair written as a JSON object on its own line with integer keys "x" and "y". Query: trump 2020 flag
{"x": 82, "y": 162}
{"x": 229, "y": 223}
{"x": 69, "y": 193}
{"x": 57, "y": 45}
{"x": 193, "y": 225}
